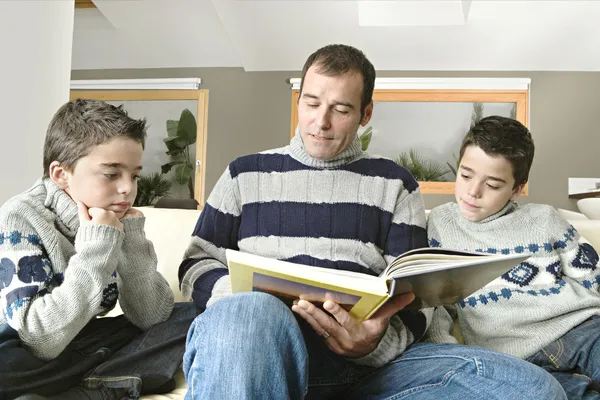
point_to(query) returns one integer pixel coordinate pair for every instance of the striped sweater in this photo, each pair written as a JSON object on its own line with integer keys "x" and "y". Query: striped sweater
{"x": 353, "y": 212}
{"x": 55, "y": 276}
{"x": 536, "y": 302}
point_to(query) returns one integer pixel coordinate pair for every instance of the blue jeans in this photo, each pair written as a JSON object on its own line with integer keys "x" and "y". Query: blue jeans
{"x": 250, "y": 346}
{"x": 110, "y": 358}
{"x": 574, "y": 360}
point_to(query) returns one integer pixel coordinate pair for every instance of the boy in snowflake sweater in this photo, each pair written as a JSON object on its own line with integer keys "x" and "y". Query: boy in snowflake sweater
{"x": 546, "y": 309}
{"x": 70, "y": 246}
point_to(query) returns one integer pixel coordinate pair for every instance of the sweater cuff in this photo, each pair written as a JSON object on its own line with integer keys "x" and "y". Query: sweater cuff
{"x": 133, "y": 225}
{"x": 203, "y": 286}
{"x": 97, "y": 233}
{"x": 384, "y": 353}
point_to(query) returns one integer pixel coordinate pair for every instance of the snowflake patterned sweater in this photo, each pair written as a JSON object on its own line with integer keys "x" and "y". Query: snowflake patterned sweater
{"x": 536, "y": 302}
{"x": 56, "y": 276}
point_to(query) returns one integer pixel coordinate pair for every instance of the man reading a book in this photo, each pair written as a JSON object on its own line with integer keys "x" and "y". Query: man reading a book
{"x": 322, "y": 201}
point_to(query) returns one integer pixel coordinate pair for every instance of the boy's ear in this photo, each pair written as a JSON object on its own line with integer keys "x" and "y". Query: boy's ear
{"x": 58, "y": 174}
{"x": 517, "y": 192}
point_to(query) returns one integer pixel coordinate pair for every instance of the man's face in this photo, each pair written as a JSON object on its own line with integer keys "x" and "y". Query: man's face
{"x": 484, "y": 184}
{"x": 329, "y": 112}
{"x": 107, "y": 177}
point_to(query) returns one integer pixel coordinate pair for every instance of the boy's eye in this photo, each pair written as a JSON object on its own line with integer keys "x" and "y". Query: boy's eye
{"x": 110, "y": 176}
{"x": 493, "y": 187}
{"x": 312, "y": 105}
{"x": 136, "y": 177}
{"x": 465, "y": 176}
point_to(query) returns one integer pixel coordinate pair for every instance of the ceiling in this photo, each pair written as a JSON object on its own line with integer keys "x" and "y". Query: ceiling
{"x": 278, "y": 35}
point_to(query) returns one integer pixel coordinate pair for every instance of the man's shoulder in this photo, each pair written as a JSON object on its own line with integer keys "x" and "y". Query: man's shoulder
{"x": 274, "y": 160}
{"x": 383, "y": 168}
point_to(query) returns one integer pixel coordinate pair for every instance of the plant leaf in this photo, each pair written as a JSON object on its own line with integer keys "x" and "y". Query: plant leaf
{"x": 172, "y": 127}
{"x": 175, "y": 143}
{"x": 187, "y": 128}
{"x": 365, "y": 138}
{"x": 175, "y": 152}
{"x": 165, "y": 168}
{"x": 183, "y": 173}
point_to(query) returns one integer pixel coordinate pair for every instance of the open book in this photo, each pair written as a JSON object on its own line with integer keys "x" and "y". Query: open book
{"x": 436, "y": 276}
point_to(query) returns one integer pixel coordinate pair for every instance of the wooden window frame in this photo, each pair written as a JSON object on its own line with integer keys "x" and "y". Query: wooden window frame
{"x": 520, "y": 97}
{"x": 200, "y": 95}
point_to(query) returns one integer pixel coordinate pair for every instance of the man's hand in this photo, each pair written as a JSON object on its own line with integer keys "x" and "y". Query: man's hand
{"x": 98, "y": 216}
{"x": 343, "y": 334}
{"x": 132, "y": 213}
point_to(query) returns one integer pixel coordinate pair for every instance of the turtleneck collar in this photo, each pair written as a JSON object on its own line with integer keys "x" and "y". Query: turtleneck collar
{"x": 65, "y": 208}
{"x": 490, "y": 222}
{"x": 353, "y": 152}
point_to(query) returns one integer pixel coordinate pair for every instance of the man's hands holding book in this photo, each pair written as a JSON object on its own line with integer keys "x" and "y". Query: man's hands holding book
{"x": 342, "y": 333}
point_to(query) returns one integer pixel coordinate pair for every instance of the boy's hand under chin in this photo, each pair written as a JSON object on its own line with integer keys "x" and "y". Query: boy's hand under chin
{"x": 98, "y": 216}
{"x": 132, "y": 213}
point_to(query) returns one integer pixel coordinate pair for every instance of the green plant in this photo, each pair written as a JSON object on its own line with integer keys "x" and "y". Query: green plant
{"x": 181, "y": 135}
{"x": 365, "y": 138}
{"x": 420, "y": 168}
{"x": 149, "y": 188}
{"x": 477, "y": 113}
{"x": 454, "y": 168}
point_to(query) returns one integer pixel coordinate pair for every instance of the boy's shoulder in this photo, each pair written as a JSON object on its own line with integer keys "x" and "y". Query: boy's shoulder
{"x": 24, "y": 207}
{"x": 444, "y": 211}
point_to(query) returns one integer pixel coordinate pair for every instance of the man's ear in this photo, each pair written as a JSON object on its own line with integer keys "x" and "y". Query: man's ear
{"x": 59, "y": 175}
{"x": 367, "y": 114}
{"x": 517, "y": 192}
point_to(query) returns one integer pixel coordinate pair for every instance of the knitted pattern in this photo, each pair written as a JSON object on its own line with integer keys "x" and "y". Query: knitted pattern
{"x": 55, "y": 276}
{"x": 540, "y": 299}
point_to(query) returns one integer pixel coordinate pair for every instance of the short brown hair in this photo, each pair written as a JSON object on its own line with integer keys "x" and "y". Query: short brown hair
{"x": 337, "y": 59}
{"x": 506, "y": 137}
{"x": 80, "y": 125}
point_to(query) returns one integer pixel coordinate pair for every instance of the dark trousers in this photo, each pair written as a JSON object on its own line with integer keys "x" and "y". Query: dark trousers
{"x": 109, "y": 358}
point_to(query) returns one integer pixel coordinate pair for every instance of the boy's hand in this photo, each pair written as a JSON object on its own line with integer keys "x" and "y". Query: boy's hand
{"x": 98, "y": 216}
{"x": 132, "y": 213}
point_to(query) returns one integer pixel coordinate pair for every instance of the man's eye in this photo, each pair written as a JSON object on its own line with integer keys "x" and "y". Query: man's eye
{"x": 110, "y": 176}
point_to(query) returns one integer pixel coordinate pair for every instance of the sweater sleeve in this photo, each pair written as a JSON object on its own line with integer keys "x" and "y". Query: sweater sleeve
{"x": 48, "y": 308}
{"x": 203, "y": 274}
{"x": 407, "y": 232}
{"x": 578, "y": 258}
{"x": 144, "y": 294}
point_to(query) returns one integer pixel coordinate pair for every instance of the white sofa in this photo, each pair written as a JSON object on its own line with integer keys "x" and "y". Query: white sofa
{"x": 170, "y": 231}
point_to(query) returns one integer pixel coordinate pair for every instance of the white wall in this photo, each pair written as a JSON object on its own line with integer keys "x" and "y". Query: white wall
{"x": 35, "y": 48}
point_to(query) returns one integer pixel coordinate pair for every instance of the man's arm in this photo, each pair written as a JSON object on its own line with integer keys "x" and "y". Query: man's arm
{"x": 144, "y": 294}
{"x": 47, "y": 308}
{"x": 203, "y": 274}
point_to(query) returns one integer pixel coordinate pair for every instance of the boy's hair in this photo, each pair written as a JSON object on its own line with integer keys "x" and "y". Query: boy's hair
{"x": 80, "y": 125}
{"x": 337, "y": 59}
{"x": 506, "y": 137}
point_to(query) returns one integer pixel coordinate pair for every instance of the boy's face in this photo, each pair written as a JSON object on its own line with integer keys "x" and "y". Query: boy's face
{"x": 329, "y": 112}
{"x": 484, "y": 184}
{"x": 107, "y": 177}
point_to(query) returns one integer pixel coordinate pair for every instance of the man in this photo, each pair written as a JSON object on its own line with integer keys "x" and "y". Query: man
{"x": 322, "y": 201}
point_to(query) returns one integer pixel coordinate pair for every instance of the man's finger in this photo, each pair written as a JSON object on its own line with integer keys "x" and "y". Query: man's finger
{"x": 394, "y": 305}
{"x": 309, "y": 318}
{"x": 342, "y": 316}
{"x": 82, "y": 210}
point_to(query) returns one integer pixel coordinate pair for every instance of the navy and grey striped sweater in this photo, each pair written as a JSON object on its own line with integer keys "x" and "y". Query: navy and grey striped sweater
{"x": 353, "y": 212}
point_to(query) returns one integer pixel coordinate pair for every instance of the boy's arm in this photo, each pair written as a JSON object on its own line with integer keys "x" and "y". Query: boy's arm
{"x": 441, "y": 327}
{"x": 46, "y": 308}
{"x": 406, "y": 233}
{"x": 144, "y": 294}
{"x": 578, "y": 258}
{"x": 203, "y": 274}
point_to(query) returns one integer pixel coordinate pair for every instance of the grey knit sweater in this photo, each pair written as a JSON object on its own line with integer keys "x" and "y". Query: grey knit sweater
{"x": 353, "y": 212}
{"x": 55, "y": 276}
{"x": 536, "y": 302}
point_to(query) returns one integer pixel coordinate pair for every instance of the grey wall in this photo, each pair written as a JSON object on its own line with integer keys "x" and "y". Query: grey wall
{"x": 250, "y": 112}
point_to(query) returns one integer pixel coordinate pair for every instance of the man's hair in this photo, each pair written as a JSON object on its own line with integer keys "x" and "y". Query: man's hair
{"x": 80, "y": 125}
{"x": 337, "y": 59}
{"x": 506, "y": 137}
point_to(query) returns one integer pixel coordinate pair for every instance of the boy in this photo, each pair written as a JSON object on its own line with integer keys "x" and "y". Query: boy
{"x": 69, "y": 247}
{"x": 544, "y": 310}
